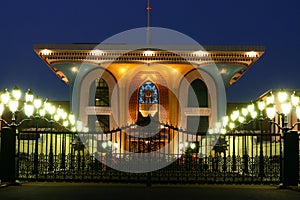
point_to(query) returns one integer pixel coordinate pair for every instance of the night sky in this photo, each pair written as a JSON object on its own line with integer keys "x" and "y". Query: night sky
{"x": 270, "y": 23}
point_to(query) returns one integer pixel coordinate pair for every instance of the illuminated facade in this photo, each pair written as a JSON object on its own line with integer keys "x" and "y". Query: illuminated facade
{"x": 114, "y": 85}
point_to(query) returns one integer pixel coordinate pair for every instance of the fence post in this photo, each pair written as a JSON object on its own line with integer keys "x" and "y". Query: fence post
{"x": 8, "y": 155}
{"x": 291, "y": 159}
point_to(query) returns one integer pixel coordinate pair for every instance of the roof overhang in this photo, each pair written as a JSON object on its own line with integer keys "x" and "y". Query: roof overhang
{"x": 100, "y": 54}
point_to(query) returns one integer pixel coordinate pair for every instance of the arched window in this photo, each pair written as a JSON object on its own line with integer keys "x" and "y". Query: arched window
{"x": 148, "y": 99}
{"x": 198, "y": 95}
{"x": 102, "y": 93}
{"x": 148, "y": 93}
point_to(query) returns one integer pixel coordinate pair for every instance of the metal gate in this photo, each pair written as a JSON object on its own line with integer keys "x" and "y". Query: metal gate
{"x": 230, "y": 158}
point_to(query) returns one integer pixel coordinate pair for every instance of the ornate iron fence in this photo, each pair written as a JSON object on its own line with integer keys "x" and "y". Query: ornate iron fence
{"x": 230, "y": 158}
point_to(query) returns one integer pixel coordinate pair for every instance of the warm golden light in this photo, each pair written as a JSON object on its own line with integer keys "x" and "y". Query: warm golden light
{"x": 231, "y": 125}
{"x": 42, "y": 112}
{"x": 97, "y": 52}
{"x": 16, "y": 93}
{"x": 29, "y": 96}
{"x": 59, "y": 111}
{"x": 13, "y": 105}
{"x": 251, "y": 54}
{"x": 286, "y": 108}
{"x": 241, "y": 119}
{"x": 47, "y": 105}
{"x": 74, "y": 69}
{"x": 271, "y": 111}
{"x": 250, "y": 107}
{"x": 148, "y": 109}
{"x": 104, "y": 145}
{"x": 235, "y": 114}
{"x": 51, "y": 109}
{"x": 56, "y": 117}
{"x": 64, "y": 115}
{"x": 116, "y": 145}
{"x": 225, "y": 120}
{"x": 37, "y": 102}
{"x": 261, "y": 105}
{"x": 45, "y": 52}
{"x": 253, "y": 114}
{"x": 122, "y": 70}
{"x": 223, "y": 71}
{"x": 245, "y": 112}
{"x": 270, "y": 99}
{"x": 294, "y": 99}
{"x": 282, "y": 96}
{"x": 193, "y": 145}
{"x": 200, "y": 53}
{"x": 66, "y": 123}
{"x": 29, "y": 109}
{"x": 32, "y": 106}
{"x": 148, "y": 53}
{"x": 5, "y": 96}
{"x": 72, "y": 119}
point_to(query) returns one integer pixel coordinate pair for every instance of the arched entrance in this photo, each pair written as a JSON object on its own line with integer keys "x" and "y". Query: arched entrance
{"x": 148, "y": 95}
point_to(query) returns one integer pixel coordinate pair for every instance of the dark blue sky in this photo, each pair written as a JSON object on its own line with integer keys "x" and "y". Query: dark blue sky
{"x": 272, "y": 23}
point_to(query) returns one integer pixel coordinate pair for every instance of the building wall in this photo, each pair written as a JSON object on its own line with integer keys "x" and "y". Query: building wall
{"x": 173, "y": 95}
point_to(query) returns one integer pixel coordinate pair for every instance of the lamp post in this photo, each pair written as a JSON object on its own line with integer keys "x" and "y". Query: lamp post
{"x": 33, "y": 108}
{"x": 261, "y": 106}
{"x": 282, "y": 106}
{"x": 8, "y": 135}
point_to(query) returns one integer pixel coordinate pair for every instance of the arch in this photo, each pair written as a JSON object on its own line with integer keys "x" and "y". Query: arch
{"x": 84, "y": 93}
{"x": 133, "y": 89}
{"x": 195, "y": 79}
{"x": 200, "y": 91}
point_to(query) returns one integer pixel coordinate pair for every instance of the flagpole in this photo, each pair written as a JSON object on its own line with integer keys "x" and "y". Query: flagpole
{"x": 148, "y": 24}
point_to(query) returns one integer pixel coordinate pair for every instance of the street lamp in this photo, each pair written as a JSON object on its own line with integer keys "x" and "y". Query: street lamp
{"x": 285, "y": 104}
{"x": 283, "y": 108}
{"x": 32, "y": 107}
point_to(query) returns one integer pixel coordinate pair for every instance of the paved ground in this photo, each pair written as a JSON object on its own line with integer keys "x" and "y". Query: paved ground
{"x": 74, "y": 191}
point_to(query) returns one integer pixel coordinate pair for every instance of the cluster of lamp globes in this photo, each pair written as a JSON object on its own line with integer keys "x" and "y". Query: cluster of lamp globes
{"x": 282, "y": 104}
{"x": 34, "y": 106}
{"x": 192, "y": 145}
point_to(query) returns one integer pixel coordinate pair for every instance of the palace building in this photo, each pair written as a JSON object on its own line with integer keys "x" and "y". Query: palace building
{"x": 117, "y": 84}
